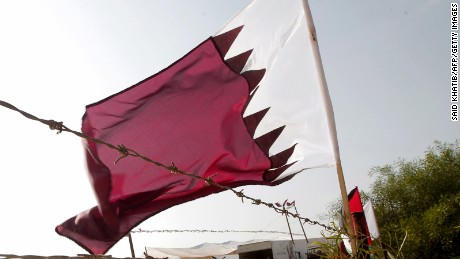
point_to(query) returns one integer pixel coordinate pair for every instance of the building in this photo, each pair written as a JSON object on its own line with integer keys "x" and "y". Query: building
{"x": 281, "y": 249}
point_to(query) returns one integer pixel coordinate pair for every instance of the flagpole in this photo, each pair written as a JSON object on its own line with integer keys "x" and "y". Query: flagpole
{"x": 301, "y": 225}
{"x": 131, "y": 246}
{"x": 330, "y": 120}
{"x": 289, "y": 226}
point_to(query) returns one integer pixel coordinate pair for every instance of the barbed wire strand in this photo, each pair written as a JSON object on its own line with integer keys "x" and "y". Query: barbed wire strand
{"x": 125, "y": 152}
{"x": 211, "y": 231}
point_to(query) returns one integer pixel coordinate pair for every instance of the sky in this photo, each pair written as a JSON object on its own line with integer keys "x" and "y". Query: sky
{"x": 386, "y": 65}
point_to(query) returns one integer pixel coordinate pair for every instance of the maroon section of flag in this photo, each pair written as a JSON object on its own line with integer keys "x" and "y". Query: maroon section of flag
{"x": 190, "y": 114}
{"x": 354, "y": 200}
{"x": 358, "y": 217}
{"x": 358, "y": 225}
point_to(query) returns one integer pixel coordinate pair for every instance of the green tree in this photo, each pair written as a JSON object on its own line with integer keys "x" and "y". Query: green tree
{"x": 421, "y": 198}
{"x": 417, "y": 203}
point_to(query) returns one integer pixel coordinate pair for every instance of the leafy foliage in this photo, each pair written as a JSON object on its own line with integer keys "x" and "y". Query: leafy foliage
{"x": 421, "y": 197}
{"x": 331, "y": 249}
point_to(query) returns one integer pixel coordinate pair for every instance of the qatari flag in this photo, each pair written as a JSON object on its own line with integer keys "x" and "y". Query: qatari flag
{"x": 245, "y": 106}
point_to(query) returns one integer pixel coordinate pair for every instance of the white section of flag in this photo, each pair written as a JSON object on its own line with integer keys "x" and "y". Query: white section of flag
{"x": 371, "y": 220}
{"x": 281, "y": 38}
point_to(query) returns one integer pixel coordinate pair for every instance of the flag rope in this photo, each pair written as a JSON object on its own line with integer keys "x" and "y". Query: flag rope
{"x": 124, "y": 152}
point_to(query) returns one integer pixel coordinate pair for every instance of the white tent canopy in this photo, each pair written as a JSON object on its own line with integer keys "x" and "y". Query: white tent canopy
{"x": 205, "y": 249}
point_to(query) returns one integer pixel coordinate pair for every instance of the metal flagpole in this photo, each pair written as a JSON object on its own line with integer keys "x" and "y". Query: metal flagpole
{"x": 131, "y": 246}
{"x": 289, "y": 226}
{"x": 330, "y": 119}
{"x": 301, "y": 225}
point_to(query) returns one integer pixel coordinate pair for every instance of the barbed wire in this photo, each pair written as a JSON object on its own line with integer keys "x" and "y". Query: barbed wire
{"x": 211, "y": 231}
{"x": 125, "y": 152}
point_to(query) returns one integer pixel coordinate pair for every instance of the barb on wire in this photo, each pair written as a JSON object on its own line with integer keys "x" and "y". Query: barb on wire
{"x": 54, "y": 125}
{"x": 210, "y": 231}
{"x": 173, "y": 168}
{"x": 124, "y": 152}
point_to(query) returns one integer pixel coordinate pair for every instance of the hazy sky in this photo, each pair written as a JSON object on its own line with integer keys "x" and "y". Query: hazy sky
{"x": 386, "y": 64}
